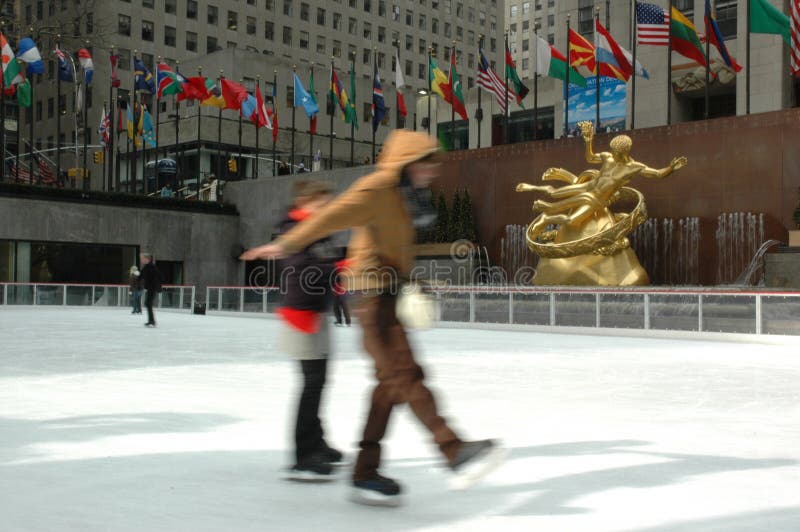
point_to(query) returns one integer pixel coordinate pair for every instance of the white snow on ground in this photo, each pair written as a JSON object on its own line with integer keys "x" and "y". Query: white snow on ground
{"x": 106, "y": 425}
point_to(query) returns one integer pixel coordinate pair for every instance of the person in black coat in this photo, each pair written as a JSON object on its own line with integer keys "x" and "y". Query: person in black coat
{"x": 151, "y": 281}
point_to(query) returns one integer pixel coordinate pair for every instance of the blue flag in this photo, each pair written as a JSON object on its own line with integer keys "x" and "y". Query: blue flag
{"x": 303, "y": 99}
{"x": 143, "y": 79}
{"x": 249, "y": 106}
{"x": 29, "y": 53}
{"x": 147, "y": 129}
{"x": 65, "y": 72}
{"x": 378, "y": 105}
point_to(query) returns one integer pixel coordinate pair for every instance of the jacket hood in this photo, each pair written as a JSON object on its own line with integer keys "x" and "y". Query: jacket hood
{"x": 401, "y": 148}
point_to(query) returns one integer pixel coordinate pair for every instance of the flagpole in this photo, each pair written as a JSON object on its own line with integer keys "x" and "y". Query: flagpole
{"x": 219, "y": 131}
{"x": 452, "y": 104}
{"x": 274, "y": 111}
{"x": 132, "y": 159}
{"x": 747, "y": 59}
{"x": 633, "y": 80}
{"x": 430, "y": 88}
{"x": 396, "y": 45}
{"x": 258, "y": 126}
{"x": 58, "y": 114}
{"x": 87, "y": 185}
{"x": 31, "y": 169}
{"x": 669, "y": 70}
{"x": 566, "y": 84}
{"x": 19, "y": 141}
{"x": 597, "y": 73}
{"x": 310, "y": 133}
{"x": 199, "y": 137}
{"x": 145, "y": 183}
{"x": 708, "y": 51}
{"x": 333, "y": 112}
{"x": 535, "y": 82}
{"x": 241, "y": 82}
{"x": 158, "y": 120}
{"x": 353, "y": 111}
{"x": 178, "y": 151}
{"x": 294, "y": 95}
{"x": 506, "y": 52}
{"x": 111, "y": 134}
{"x": 3, "y": 121}
{"x": 103, "y": 119}
{"x": 374, "y": 72}
{"x": 479, "y": 114}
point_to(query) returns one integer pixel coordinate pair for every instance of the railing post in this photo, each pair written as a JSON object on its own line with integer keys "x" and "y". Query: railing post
{"x": 180, "y": 298}
{"x": 597, "y": 309}
{"x": 219, "y": 298}
{"x": 471, "y": 307}
{"x": 5, "y": 294}
{"x": 552, "y": 309}
{"x": 241, "y": 300}
{"x": 93, "y": 287}
{"x": 699, "y": 312}
{"x": 64, "y": 297}
{"x": 34, "y": 294}
{"x": 646, "y": 312}
{"x": 758, "y": 314}
{"x": 208, "y": 298}
{"x": 510, "y": 308}
{"x": 264, "y": 295}
{"x": 438, "y": 301}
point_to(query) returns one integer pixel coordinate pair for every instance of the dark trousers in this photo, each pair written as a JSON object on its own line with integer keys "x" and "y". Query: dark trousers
{"x": 400, "y": 380}
{"x": 308, "y": 434}
{"x": 148, "y": 302}
{"x": 340, "y": 310}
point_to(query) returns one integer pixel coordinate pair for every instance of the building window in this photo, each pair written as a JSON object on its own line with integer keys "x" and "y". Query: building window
{"x": 525, "y": 45}
{"x": 726, "y": 18}
{"x": 212, "y": 17}
{"x": 191, "y": 9}
{"x": 191, "y": 41}
{"x": 321, "y": 45}
{"x": 337, "y": 49}
{"x": 269, "y": 30}
{"x": 409, "y": 42}
{"x": 423, "y": 47}
{"x": 352, "y": 26}
{"x": 367, "y": 6}
{"x": 422, "y": 23}
{"x": 147, "y": 30}
{"x": 409, "y": 18}
{"x": 320, "y": 16}
{"x": 526, "y": 8}
{"x": 382, "y": 8}
{"x": 409, "y": 68}
{"x": 270, "y": 5}
{"x": 233, "y": 20}
{"x": 287, "y": 8}
{"x": 337, "y": 21}
{"x": 124, "y": 25}
{"x": 287, "y": 35}
{"x": 448, "y": 30}
{"x": 170, "y": 36}
{"x": 381, "y": 34}
{"x": 170, "y": 7}
{"x": 124, "y": 59}
{"x": 89, "y": 23}
{"x": 50, "y": 107}
{"x": 421, "y": 71}
{"x": 211, "y": 44}
{"x": 586, "y": 17}
{"x": 251, "y": 25}
{"x": 366, "y": 56}
{"x": 367, "y": 31}
{"x": 514, "y": 10}
{"x": 145, "y": 3}
{"x": 304, "y": 11}
{"x": 304, "y": 40}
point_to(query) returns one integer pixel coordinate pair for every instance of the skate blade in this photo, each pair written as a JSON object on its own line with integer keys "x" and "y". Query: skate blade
{"x": 373, "y": 498}
{"x": 309, "y": 477}
{"x": 471, "y": 474}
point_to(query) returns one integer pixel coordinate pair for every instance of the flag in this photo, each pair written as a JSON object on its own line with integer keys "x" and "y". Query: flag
{"x": 29, "y": 53}
{"x": 10, "y": 65}
{"x": 134, "y": 129}
{"x": 274, "y": 112}
{"x": 87, "y": 65}
{"x": 65, "y": 72}
{"x": 794, "y": 12}
{"x": 261, "y": 117}
{"x": 142, "y": 78}
{"x": 437, "y": 80}
{"x": 639, "y": 69}
{"x": 193, "y": 88}
{"x": 581, "y": 52}
{"x": 312, "y": 128}
{"x": 214, "y": 92}
{"x": 715, "y": 38}
{"x": 249, "y": 106}
{"x": 233, "y": 93}
{"x": 488, "y": 80}
{"x": 353, "y": 112}
{"x": 148, "y": 134}
{"x": 652, "y": 24}
{"x": 766, "y": 18}
{"x": 514, "y": 82}
{"x": 378, "y": 105}
{"x": 45, "y": 171}
{"x": 303, "y": 99}
{"x": 114, "y": 59}
{"x": 24, "y": 93}
{"x": 552, "y": 63}
{"x": 169, "y": 82}
{"x": 610, "y": 56}
{"x": 399, "y": 84}
{"x": 684, "y": 39}
{"x": 104, "y": 129}
{"x": 339, "y": 96}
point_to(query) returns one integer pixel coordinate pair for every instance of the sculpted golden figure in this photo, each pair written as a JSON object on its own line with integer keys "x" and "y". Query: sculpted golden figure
{"x": 590, "y": 245}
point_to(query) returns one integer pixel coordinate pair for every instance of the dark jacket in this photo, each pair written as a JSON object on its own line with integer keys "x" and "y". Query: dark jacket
{"x": 135, "y": 282}
{"x": 307, "y": 278}
{"x": 151, "y": 277}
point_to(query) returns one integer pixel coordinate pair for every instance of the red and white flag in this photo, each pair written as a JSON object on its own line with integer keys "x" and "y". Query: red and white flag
{"x": 794, "y": 30}
{"x": 400, "y": 84}
{"x": 104, "y": 130}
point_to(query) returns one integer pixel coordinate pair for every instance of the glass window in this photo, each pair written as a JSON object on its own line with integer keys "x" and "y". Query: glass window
{"x": 368, "y": 6}
{"x": 89, "y": 23}
{"x": 409, "y": 17}
{"x": 287, "y": 8}
{"x": 337, "y": 21}
{"x": 367, "y": 31}
{"x": 448, "y": 30}
{"x": 320, "y": 16}
{"x": 422, "y": 48}
{"x": 304, "y": 11}
{"x": 337, "y": 49}
{"x": 170, "y": 7}
{"x": 191, "y": 9}
{"x": 526, "y": 8}
{"x": 269, "y": 30}
{"x": 382, "y": 8}
{"x": 191, "y": 41}
{"x": 124, "y": 59}
{"x": 421, "y": 71}
{"x": 211, "y": 44}
{"x": 321, "y": 46}
{"x": 304, "y": 40}
{"x": 381, "y": 34}
{"x": 422, "y": 23}
{"x": 145, "y": 3}
{"x": 251, "y": 25}
{"x": 147, "y": 30}
{"x": 366, "y": 56}
{"x": 435, "y": 26}
{"x": 124, "y": 25}
{"x": 514, "y": 10}
{"x": 169, "y": 36}
{"x": 270, "y": 5}
{"x": 212, "y": 16}
{"x": 287, "y": 35}
{"x": 352, "y": 26}
{"x": 233, "y": 20}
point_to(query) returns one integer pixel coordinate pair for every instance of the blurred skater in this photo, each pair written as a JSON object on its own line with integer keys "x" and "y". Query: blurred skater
{"x": 135, "y": 283}
{"x": 306, "y": 286}
{"x": 341, "y": 313}
{"x": 383, "y": 208}
{"x": 151, "y": 280}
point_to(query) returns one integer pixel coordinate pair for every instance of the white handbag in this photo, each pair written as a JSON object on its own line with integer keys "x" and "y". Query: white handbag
{"x": 415, "y": 309}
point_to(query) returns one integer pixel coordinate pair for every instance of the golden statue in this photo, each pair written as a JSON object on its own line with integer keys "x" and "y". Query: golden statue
{"x": 590, "y": 244}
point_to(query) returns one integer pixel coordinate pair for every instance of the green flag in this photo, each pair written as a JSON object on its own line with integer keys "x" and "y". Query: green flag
{"x": 352, "y": 113}
{"x": 24, "y": 93}
{"x": 766, "y": 18}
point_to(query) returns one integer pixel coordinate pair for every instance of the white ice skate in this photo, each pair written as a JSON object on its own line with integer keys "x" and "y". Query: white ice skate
{"x": 474, "y": 461}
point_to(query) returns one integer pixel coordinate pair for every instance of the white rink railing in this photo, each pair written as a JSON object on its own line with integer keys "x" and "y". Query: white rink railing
{"x": 712, "y": 310}
{"x": 104, "y": 295}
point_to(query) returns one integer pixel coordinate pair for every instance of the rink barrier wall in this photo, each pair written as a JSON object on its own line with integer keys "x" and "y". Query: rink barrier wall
{"x": 180, "y": 297}
{"x": 655, "y": 311}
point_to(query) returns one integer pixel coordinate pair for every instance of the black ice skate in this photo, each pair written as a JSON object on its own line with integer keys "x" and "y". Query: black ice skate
{"x": 376, "y": 491}
{"x": 331, "y": 455}
{"x": 315, "y": 469}
{"x": 474, "y": 460}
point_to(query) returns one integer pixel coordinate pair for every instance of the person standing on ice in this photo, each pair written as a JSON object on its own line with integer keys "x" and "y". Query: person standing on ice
{"x": 383, "y": 209}
{"x": 306, "y": 289}
{"x": 151, "y": 280}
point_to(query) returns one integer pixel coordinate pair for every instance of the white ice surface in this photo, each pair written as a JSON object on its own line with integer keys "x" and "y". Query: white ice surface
{"x": 106, "y": 425}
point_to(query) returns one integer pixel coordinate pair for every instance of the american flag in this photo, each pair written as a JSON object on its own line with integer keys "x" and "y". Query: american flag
{"x": 487, "y": 78}
{"x": 104, "y": 129}
{"x": 652, "y": 24}
{"x": 45, "y": 172}
{"x": 794, "y": 23}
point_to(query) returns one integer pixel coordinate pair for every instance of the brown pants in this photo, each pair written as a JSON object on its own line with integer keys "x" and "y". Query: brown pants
{"x": 400, "y": 380}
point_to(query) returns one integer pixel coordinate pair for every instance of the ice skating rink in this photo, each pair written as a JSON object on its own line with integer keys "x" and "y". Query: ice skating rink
{"x": 108, "y": 426}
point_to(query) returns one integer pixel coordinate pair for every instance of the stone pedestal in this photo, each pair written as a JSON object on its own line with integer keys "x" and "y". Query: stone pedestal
{"x": 782, "y": 269}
